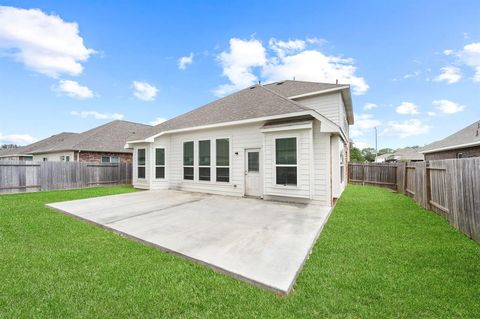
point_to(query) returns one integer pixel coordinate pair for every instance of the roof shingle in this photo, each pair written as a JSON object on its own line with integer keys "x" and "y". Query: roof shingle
{"x": 469, "y": 135}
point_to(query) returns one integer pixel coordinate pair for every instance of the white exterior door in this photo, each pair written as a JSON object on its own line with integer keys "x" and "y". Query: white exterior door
{"x": 253, "y": 173}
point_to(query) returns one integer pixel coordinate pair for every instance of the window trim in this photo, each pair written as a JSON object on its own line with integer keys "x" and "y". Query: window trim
{"x": 229, "y": 160}
{"x": 283, "y": 186}
{"x": 164, "y": 163}
{"x": 142, "y": 165}
{"x": 342, "y": 163}
{"x": 183, "y": 161}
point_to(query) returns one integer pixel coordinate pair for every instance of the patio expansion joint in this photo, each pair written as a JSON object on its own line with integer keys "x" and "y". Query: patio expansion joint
{"x": 154, "y": 211}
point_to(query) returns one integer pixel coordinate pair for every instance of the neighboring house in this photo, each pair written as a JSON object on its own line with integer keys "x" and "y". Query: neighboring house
{"x": 382, "y": 158}
{"x": 103, "y": 144}
{"x": 407, "y": 154}
{"x": 464, "y": 143}
{"x": 284, "y": 140}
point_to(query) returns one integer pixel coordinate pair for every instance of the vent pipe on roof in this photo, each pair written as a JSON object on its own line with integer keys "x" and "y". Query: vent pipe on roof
{"x": 336, "y": 81}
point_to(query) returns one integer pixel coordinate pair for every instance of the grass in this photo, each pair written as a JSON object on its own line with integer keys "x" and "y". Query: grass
{"x": 380, "y": 255}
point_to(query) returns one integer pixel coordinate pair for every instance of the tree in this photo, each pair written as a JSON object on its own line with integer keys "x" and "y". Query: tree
{"x": 385, "y": 151}
{"x": 356, "y": 155}
{"x": 369, "y": 154}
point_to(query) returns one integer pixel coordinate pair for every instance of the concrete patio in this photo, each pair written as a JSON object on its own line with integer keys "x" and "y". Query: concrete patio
{"x": 262, "y": 242}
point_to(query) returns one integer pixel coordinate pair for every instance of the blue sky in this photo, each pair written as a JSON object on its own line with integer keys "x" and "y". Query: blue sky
{"x": 414, "y": 66}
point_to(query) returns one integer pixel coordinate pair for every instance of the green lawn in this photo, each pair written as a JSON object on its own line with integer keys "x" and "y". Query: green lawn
{"x": 380, "y": 255}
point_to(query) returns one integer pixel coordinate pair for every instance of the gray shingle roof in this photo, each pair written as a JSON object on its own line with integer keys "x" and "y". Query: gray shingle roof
{"x": 110, "y": 137}
{"x": 293, "y": 88}
{"x": 407, "y": 154}
{"x": 468, "y": 135}
{"x": 253, "y": 102}
{"x": 42, "y": 144}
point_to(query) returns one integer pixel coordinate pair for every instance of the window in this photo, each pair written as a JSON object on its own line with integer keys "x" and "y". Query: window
{"x": 141, "y": 163}
{"x": 105, "y": 159}
{"x": 188, "y": 161}
{"x": 342, "y": 166}
{"x": 253, "y": 162}
{"x": 459, "y": 155}
{"x": 286, "y": 161}
{"x": 67, "y": 158}
{"x": 114, "y": 159}
{"x": 62, "y": 158}
{"x": 223, "y": 160}
{"x": 204, "y": 160}
{"x": 159, "y": 163}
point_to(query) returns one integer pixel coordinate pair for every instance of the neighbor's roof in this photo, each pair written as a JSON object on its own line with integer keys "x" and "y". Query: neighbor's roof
{"x": 469, "y": 136}
{"x": 110, "y": 137}
{"x": 43, "y": 144}
{"x": 253, "y": 102}
{"x": 407, "y": 154}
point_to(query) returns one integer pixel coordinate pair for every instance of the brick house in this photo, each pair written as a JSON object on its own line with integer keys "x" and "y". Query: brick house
{"x": 462, "y": 144}
{"x": 102, "y": 144}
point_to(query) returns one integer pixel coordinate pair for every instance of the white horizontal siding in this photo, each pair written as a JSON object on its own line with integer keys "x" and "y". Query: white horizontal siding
{"x": 53, "y": 157}
{"x": 327, "y": 105}
{"x": 321, "y": 157}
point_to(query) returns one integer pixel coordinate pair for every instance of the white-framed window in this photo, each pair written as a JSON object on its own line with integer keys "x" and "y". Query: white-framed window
{"x": 459, "y": 155}
{"x": 222, "y": 151}
{"x": 110, "y": 159}
{"x": 286, "y": 161}
{"x": 159, "y": 163}
{"x": 342, "y": 165}
{"x": 141, "y": 163}
{"x": 188, "y": 157}
{"x": 45, "y": 159}
{"x": 65, "y": 158}
{"x": 204, "y": 160}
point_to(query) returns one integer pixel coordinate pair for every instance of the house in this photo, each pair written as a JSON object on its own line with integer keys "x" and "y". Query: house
{"x": 464, "y": 143}
{"x": 284, "y": 140}
{"x": 382, "y": 158}
{"x": 407, "y": 154}
{"x": 103, "y": 144}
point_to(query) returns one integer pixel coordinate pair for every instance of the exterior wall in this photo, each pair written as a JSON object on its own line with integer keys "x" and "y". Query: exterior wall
{"x": 313, "y": 170}
{"x": 96, "y": 157}
{"x": 328, "y": 105}
{"x": 466, "y": 152}
{"x": 53, "y": 157}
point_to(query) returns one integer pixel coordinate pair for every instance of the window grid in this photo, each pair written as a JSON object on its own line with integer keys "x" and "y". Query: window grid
{"x": 141, "y": 163}
{"x": 159, "y": 163}
{"x": 222, "y": 152}
{"x": 286, "y": 166}
{"x": 188, "y": 161}
{"x": 204, "y": 160}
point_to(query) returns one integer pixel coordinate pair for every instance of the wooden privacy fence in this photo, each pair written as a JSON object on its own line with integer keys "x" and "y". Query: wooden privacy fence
{"x": 28, "y": 176}
{"x": 449, "y": 187}
{"x": 376, "y": 174}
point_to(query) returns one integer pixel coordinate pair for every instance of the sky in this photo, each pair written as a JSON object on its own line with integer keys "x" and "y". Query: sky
{"x": 413, "y": 66}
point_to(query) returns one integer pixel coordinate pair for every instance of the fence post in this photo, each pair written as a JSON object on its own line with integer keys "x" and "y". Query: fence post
{"x": 428, "y": 185}
{"x": 405, "y": 179}
{"x": 363, "y": 174}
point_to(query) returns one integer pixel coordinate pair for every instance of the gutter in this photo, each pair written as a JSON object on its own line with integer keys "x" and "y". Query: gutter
{"x": 447, "y": 148}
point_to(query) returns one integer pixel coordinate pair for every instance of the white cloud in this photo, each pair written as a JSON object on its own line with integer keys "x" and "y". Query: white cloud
{"x": 363, "y": 123}
{"x": 157, "y": 121}
{"x": 144, "y": 91}
{"x": 73, "y": 89}
{"x": 370, "y": 106}
{"x": 19, "y": 139}
{"x": 184, "y": 61}
{"x": 407, "y": 108}
{"x": 450, "y": 74}
{"x": 448, "y": 52}
{"x": 431, "y": 113}
{"x": 98, "y": 115}
{"x": 284, "y": 60}
{"x": 448, "y": 107}
{"x": 44, "y": 43}
{"x": 361, "y": 144}
{"x": 237, "y": 64}
{"x": 407, "y": 128}
{"x": 470, "y": 55}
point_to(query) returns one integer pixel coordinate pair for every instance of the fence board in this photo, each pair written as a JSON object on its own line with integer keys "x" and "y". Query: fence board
{"x": 451, "y": 187}
{"x": 26, "y": 176}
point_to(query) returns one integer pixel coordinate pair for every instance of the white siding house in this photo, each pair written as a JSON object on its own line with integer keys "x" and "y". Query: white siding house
{"x": 259, "y": 142}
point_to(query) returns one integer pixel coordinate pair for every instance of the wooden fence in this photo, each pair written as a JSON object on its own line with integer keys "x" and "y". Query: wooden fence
{"x": 28, "y": 176}
{"x": 451, "y": 188}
